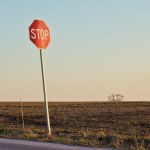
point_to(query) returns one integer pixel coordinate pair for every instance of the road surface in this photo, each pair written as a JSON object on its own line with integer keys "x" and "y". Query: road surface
{"x": 12, "y": 144}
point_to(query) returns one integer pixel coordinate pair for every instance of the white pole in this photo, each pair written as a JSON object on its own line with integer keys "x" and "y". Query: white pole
{"x": 45, "y": 98}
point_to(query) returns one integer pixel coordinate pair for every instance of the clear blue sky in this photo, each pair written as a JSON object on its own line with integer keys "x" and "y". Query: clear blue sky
{"x": 98, "y": 47}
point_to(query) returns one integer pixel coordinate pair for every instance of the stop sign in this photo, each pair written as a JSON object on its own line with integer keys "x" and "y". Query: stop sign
{"x": 39, "y": 34}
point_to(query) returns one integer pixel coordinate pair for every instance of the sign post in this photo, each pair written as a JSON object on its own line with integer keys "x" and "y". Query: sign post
{"x": 40, "y": 36}
{"x": 44, "y": 91}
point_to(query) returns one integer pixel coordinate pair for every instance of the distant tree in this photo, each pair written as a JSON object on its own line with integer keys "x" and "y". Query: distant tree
{"x": 115, "y": 97}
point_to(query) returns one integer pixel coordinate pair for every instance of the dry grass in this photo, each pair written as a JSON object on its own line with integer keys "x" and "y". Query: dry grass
{"x": 121, "y": 125}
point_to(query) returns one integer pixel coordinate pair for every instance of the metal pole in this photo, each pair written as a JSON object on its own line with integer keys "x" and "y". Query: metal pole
{"x": 45, "y": 98}
{"x": 22, "y": 114}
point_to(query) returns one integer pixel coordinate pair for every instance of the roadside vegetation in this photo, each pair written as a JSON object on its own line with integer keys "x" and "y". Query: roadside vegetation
{"x": 123, "y": 125}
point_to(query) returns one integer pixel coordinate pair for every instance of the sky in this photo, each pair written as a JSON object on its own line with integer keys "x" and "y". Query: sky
{"x": 98, "y": 47}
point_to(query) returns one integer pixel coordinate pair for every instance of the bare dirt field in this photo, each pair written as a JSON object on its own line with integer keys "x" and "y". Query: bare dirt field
{"x": 123, "y": 125}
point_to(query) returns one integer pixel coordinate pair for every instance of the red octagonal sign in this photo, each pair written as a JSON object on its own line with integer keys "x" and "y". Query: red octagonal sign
{"x": 39, "y": 34}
